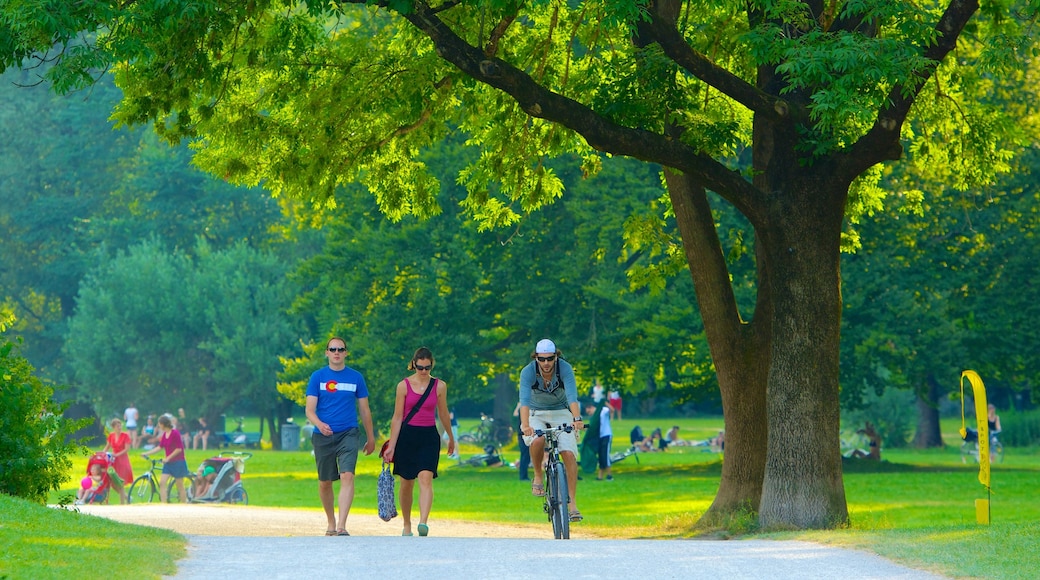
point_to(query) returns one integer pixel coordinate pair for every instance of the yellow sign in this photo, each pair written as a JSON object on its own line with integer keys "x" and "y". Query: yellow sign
{"x": 981, "y": 418}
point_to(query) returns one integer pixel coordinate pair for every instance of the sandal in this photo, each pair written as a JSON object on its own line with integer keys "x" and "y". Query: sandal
{"x": 538, "y": 490}
{"x": 424, "y": 530}
{"x": 330, "y": 532}
{"x": 576, "y": 516}
{"x": 346, "y": 533}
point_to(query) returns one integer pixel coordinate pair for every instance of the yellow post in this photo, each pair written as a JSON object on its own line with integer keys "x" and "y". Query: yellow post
{"x": 982, "y": 511}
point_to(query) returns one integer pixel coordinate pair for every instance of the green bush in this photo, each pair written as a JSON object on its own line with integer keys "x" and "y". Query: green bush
{"x": 893, "y": 414}
{"x": 35, "y": 448}
{"x": 1020, "y": 428}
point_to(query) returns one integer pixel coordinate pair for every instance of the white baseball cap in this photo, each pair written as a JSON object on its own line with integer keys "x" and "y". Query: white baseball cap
{"x": 545, "y": 346}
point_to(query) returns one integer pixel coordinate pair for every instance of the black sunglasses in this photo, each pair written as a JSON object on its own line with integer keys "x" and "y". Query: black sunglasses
{"x": 546, "y": 358}
{"x": 337, "y": 349}
{"x": 423, "y": 367}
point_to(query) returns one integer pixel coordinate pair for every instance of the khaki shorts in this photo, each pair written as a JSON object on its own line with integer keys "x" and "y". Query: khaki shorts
{"x": 549, "y": 419}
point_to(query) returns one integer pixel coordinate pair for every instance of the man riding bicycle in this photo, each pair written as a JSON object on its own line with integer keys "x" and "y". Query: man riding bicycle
{"x": 549, "y": 398}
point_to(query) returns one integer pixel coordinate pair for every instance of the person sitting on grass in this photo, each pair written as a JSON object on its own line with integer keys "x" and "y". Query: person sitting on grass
{"x": 873, "y": 443}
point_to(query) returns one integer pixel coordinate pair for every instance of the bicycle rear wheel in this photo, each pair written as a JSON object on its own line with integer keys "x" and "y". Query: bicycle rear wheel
{"x": 142, "y": 490}
{"x": 171, "y": 489}
{"x": 997, "y": 452}
{"x": 556, "y": 477}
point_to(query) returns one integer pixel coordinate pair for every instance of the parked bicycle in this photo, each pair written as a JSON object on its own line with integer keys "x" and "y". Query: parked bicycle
{"x": 617, "y": 456}
{"x": 491, "y": 457}
{"x": 145, "y": 488}
{"x": 557, "y": 494}
{"x": 482, "y": 433}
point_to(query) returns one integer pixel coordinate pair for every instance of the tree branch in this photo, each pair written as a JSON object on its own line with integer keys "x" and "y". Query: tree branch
{"x": 664, "y": 33}
{"x": 600, "y": 132}
{"x": 884, "y": 135}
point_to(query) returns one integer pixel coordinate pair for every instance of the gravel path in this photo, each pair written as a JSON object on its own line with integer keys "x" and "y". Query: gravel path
{"x": 243, "y": 541}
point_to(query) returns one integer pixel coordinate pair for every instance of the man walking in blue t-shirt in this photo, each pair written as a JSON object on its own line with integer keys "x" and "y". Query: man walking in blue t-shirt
{"x": 336, "y": 395}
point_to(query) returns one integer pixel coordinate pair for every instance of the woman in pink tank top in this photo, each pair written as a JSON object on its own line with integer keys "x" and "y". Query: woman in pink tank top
{"x": 414, "y": 446}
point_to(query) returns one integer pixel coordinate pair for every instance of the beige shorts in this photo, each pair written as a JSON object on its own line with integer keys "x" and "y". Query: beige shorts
{"x": 549, "y": 419}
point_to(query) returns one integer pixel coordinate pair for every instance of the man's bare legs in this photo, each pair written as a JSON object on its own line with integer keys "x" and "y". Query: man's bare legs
{"x": 325, "y": 493}
{"x": 570, "y": 465}
{"x": 537, "y": 448}
{"x": 346, "y": 498}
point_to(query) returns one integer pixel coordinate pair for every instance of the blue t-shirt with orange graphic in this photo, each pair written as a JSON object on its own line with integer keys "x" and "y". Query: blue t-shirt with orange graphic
{"x": 337, "y": 393}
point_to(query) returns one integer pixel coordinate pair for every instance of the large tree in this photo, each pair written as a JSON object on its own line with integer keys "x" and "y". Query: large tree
{"x": 808, "y": 96}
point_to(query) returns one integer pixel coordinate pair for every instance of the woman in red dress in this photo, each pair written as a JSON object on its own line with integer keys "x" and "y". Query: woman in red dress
{"x": 119, "y": 445}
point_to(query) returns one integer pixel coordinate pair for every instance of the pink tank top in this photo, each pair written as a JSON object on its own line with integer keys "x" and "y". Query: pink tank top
{"x": 426, "y": 416}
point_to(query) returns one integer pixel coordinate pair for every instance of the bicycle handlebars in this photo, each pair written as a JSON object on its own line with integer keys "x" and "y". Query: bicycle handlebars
{"x": 565, "y": 428}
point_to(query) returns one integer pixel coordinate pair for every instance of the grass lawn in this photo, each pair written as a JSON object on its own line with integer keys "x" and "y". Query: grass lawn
{"x": 915, "y": 507}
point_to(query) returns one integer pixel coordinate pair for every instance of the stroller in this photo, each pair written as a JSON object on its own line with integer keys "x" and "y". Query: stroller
{"x": 97, "y": 493}
{"x": 219, "y": 479}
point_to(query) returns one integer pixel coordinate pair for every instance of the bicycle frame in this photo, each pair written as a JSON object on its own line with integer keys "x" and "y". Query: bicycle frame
{"x": 556, "y": 491}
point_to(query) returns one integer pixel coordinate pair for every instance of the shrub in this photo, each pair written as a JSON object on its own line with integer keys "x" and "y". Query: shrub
{"x": 35, "y": 448}
{"x": 1020, "y": 428}
{"x": 893, "y": 414}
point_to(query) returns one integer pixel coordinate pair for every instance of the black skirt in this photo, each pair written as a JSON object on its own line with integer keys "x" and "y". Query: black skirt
{"x": 418, "y": 449}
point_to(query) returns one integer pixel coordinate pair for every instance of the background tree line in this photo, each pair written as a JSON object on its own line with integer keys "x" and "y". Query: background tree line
{"x": 156, "y": 255}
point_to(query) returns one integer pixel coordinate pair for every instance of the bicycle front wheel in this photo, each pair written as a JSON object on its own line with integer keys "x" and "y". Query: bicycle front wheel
{"x": 558, "y": 514}
{"x": 142, "y": 490}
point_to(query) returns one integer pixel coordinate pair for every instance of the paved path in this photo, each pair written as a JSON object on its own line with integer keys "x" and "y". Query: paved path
{"x": 434, "y": 558}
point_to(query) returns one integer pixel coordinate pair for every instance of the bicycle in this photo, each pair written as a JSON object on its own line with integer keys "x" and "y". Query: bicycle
{"x": 145, "y": 488}
{"x": 482, "y": 433}
{"x": 622, "y": 455}
{"x": 491, "y": 457}
{"x": 556, "y": 491}
{"x": 970, "y": 448}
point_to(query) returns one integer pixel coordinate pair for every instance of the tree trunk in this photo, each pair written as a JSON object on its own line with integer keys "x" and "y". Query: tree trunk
{"x": 803, "y": 480}
{"x": 928, "y": 433}
{"x": 739, "y": 350}
{"x": 502, "y": 411}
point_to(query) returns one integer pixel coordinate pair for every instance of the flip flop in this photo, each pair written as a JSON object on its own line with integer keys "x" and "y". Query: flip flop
{"x": 424, "y": 530}
{"x": 538, "y": 489}
{"x": 346, "y": 533}
{"x": 330, "y": 532}
{"x": 576, "y": 516}
{"x": 406, "y": 533}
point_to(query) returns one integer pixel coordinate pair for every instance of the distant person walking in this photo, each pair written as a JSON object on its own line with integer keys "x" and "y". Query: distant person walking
{"x": 414, "y": 445}
{"x": 130, "y": 415}
{"x": 336, "y": 396}
{"x": 614, "y": 400}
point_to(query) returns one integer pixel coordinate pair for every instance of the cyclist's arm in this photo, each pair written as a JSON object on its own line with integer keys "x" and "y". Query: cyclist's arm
{"x": 570, "y": 386}
{"x": 524, "y": 411}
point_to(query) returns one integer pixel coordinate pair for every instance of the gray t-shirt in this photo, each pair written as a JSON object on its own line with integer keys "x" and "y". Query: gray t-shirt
{"x": 537, "y": 395}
